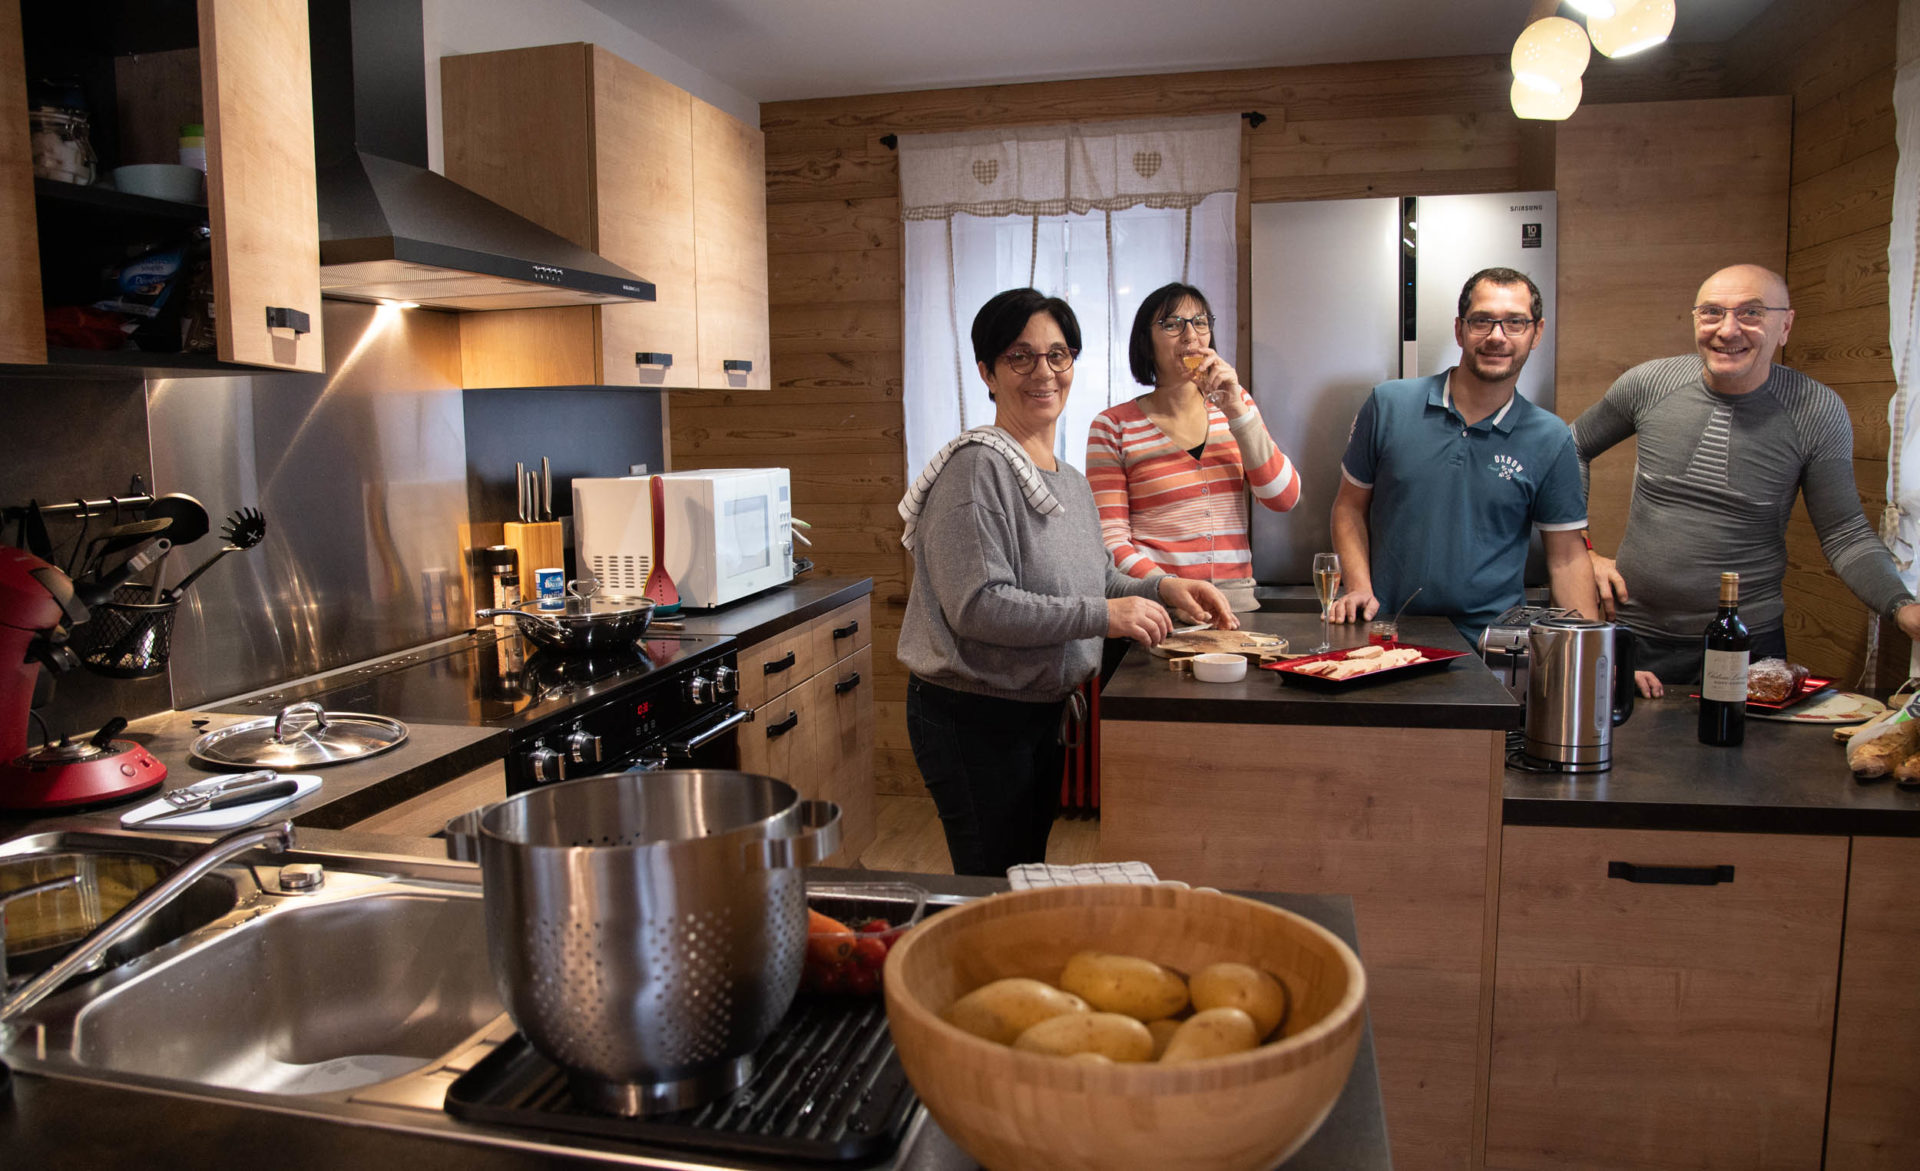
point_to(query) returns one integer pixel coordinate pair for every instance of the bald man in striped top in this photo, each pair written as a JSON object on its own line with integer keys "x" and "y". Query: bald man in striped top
{"x": 1170, "y": 470}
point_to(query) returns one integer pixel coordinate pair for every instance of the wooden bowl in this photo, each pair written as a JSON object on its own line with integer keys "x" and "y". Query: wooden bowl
{"x": 1013, "y": 1110}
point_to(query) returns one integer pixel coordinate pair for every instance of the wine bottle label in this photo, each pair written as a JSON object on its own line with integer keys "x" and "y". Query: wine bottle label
{"x": 1725, "y": 677}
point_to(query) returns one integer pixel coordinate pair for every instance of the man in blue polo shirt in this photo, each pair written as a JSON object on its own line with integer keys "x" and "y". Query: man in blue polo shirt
{"x": 1445, "y": 477}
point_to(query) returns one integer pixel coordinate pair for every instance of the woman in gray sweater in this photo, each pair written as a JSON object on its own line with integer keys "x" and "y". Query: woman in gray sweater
{"x": 1013, "y": 591}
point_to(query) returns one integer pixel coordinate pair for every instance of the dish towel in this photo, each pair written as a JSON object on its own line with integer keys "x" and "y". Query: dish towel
{"x": 1039, "y": 497}
{"x": 1029, "y": 875}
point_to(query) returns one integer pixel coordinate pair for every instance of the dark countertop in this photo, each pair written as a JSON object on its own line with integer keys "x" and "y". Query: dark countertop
{"x": 1786, "y": 778}
{"x": 773, "y": 613}
{"x": 53, "y": 1122}
{"x": 1461, "y": 694}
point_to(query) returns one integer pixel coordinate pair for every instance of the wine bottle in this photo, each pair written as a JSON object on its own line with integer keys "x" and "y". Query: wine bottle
{"x": 1723, "y": 677}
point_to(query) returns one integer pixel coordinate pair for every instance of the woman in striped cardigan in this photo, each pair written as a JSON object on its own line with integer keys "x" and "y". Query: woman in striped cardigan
{"x": 1170, "y": 470}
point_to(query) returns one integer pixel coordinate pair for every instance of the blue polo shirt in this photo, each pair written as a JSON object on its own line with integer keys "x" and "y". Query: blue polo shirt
{"x": 1453, "y": 504}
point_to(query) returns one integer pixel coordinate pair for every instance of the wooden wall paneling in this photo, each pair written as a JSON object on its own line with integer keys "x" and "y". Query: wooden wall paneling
{"x": 1856, "y": 195}
{"x": 1873, "y": 1113}
{"x": 23, "y": 322}
{"x": 262, "y": 202}
{"x": 1843, "y": 273}
{"x": 1632, "y": 256}
{"x": 833, "y": 225}
{"x": 1854, "y": 122}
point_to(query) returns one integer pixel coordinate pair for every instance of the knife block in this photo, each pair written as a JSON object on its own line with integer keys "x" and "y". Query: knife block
{"x": 539, "y": 545}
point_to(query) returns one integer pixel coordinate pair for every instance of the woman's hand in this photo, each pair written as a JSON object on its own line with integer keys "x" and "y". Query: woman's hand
{"x": 1219, "y": 383}
{"x": 1202, "y": 599}
{"x": 1141, "y": 619}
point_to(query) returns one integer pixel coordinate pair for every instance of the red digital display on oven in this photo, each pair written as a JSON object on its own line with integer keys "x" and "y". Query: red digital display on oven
{"x": 642, "y": 708}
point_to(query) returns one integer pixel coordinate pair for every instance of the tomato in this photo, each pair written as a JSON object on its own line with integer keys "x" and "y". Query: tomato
{"x": 863, "y": 981}
{"x": 874, "y": 927}
{"x": 869, "y": 952}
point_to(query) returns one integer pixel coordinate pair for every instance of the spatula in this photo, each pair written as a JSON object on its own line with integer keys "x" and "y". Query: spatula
{"x": 659, "y": 586}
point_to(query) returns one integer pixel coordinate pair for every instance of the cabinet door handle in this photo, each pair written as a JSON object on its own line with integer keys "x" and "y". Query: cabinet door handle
{"x": 784, "y": 726}
{"x": 736, "y": 366}
{"x": 1671, "y": 875}
{"x": 778, "y": 665}
{"x": 848, "y": 684}
{"x": 281, "y": 317}
{"x": 847, "y": 631}
{"x": 648, "y": 358}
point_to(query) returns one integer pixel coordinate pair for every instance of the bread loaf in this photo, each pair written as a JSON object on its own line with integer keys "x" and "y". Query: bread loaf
{"x": 1878, "y": 750}
{"x": 1774, "y": 680}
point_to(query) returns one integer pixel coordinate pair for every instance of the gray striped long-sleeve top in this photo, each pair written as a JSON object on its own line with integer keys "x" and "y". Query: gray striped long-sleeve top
{"x": 1713, "y": 488}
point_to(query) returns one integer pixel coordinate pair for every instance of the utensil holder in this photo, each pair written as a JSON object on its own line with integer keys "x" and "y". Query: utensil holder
{"x": 129, "y": 637}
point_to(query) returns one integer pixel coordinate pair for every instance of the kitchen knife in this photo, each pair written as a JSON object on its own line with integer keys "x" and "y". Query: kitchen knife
{"x": 520, "y": 493}
{"x": 228, "y": 798}
{"x": 546, "y": 489}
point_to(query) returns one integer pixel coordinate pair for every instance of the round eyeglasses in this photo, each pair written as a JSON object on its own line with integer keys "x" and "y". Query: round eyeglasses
{"x": 1511, "y": 326}
{"x": 1059, "y": 360}
{"x": 1172, "y": 326}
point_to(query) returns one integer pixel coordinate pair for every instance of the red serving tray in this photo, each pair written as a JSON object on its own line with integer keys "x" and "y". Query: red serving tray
{"x": 1809, "y": 687}
{"x": 1290, "y": 668}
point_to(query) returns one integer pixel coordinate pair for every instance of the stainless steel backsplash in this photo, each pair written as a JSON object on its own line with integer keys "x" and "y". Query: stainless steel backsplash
{"x": 362, "y": 476}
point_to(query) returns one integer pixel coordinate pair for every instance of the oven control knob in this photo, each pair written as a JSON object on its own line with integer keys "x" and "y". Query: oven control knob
{"x": 726, "y": 682}
{"x": 700, "y": 690}
{"x": 547, "y": 765}
{"x": 584, "y": 747}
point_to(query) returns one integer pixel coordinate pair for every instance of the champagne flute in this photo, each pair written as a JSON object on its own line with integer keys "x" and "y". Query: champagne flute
{"x": 1326, "y": 581}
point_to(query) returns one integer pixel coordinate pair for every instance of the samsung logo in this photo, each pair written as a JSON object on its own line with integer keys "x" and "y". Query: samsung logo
{"x": 1525, "y": 206}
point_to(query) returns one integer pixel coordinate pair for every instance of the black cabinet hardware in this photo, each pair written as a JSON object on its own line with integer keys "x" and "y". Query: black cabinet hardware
{"x": 1671, "y": 875}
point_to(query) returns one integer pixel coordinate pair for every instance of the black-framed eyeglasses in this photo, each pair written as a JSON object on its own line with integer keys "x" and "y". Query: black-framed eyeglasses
{"x": 1059, "y": 360}
{"x": 1172, "y": 326}
{"x": 1511, "y": 326}
{"x": 1751, "y": 316}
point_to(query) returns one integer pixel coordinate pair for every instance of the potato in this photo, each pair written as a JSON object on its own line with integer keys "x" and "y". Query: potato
{"x": 1116, "y": 1037}
{"x": 1004, "y": 1009}
{"x": 1212, "y": 1032}
{"x": 1162, "y": 1032}
{"x": 1251, "y": 990}
{"x": 1129, "y": 985}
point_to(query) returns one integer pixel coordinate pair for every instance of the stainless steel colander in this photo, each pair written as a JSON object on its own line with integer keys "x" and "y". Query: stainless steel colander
{"x": 647, "y": 929}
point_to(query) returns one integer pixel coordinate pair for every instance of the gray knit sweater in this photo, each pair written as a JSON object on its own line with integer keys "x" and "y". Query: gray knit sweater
{"x": 1007, "y": 602}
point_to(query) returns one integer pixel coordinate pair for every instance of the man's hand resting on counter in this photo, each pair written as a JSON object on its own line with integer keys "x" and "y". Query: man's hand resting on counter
{"x": 1359, "y": 606}
{"x": 1649, "y": 686}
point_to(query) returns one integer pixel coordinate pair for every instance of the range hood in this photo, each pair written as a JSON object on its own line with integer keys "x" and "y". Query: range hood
{"x": 392, "y": 230}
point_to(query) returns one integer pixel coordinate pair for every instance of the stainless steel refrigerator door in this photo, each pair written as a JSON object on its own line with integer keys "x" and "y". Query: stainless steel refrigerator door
{"x": 1459, "y": 235}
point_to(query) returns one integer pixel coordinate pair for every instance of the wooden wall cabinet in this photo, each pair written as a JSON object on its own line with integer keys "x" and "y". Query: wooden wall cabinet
{"x": 811, "y": 692}
{"x": 1642, "y": 1022}
{"x": 1873, "y": 1110}
{"x": 640, "y": 172}
{"x": 256, "y": 101}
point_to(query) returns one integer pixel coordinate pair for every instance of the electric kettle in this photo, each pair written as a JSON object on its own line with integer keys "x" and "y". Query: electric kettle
{"x": 1579, "y": 689}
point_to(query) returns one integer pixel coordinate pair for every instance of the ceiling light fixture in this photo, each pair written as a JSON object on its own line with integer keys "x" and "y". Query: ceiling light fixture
{"x": 1550, "y": 54}
{"x": 1548, "y": 107}
{"x": 1594, "y": 9}
{"x": 1635, "y": 27}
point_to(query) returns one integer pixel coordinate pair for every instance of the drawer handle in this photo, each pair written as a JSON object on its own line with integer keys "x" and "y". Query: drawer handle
{"x": 779, "y": 665}
{"x": 648, "y": 358}
{"x": 848, "y": 684}
{"x": 784, "y": 726}
{"x": 736, "y": 366}
{"x": 1671, "y": 875}
{"x": 847, "y": 631}
{"x": 280, "y": 317}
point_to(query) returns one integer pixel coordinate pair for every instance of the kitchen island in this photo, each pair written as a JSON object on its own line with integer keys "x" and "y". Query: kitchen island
{"x": 1536, "y": 1004}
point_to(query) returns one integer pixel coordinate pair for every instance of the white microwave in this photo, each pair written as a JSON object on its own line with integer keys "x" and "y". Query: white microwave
{"x": 727, "y": 533}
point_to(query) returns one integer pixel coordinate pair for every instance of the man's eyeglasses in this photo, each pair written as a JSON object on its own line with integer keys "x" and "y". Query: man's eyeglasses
{"x": 1059, "y": 360}
{"x": 1171, "y": 326}
{"x": 1511, "y": 326}
{"x": 1751, "y": 316}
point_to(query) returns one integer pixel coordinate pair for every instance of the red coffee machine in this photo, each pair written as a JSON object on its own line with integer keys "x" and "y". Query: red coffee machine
{"x": 38, "y": 608}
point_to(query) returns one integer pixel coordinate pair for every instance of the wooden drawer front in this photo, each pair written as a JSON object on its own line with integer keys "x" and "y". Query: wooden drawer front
{"x": 1874, "y": 1117}
{"x": 776, "y": 666}
{"x": 775, "y": 742}
{"x": 843, "y": 632}
{"x": 1647, "y": 1024}
{"x": 840, "y": 767}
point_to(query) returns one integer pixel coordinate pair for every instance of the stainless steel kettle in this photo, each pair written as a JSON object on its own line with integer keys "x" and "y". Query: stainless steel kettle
{"x": 1579, "y": 689}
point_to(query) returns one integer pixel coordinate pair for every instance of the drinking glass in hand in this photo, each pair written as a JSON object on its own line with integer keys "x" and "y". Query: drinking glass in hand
{"x": 1326, "y": 580}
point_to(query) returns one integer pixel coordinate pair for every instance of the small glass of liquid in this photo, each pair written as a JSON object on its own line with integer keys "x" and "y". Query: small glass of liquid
{"x": 1326, "y": 581}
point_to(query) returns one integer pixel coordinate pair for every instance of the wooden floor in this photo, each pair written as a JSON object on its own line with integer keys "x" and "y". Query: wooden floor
{"x": 908, "y": 838}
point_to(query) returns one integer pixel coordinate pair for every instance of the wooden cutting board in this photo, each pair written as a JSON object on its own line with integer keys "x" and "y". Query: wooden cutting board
{"x": 1251, "y": 643}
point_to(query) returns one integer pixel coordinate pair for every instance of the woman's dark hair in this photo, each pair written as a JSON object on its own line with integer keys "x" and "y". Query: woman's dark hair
{"x": 1140, "y": 344}
{"x": 1001, "y": 321}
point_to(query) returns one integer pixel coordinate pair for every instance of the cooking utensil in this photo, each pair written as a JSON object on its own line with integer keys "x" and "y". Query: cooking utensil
{"x": 659, "y": 585}
{"x": 538, "y": 543}
{"x": 1404, "y": 605}
{"x": 647, "y": 930}
{"x": 261, "y": 790}
{"x": 584, "y": 624}
{"x": 243, "y": 530}
{"x": 199, "y": 793}
{"x": 302, "y": 736}
{"x": 546, "y": 490}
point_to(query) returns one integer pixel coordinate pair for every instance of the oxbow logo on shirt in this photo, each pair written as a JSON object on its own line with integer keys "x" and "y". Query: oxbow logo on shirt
{"x": 1506, "y": 467}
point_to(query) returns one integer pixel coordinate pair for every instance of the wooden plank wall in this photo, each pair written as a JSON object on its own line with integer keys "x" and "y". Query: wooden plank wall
{"x": 1421, "y": 127}
{"x": 1836, "y": 58}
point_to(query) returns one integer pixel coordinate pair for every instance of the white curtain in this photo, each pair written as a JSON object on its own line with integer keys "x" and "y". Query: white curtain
{"x": 1100, "y": 214}
{"x": 1898, "y": 525}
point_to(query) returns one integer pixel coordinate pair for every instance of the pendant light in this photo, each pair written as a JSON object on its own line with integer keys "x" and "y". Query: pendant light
{"x": 1637, "y": 25}
{"x": 1551, "y": 107}
{"x": 1595, "y": 9}
{"x": 1550, "y": 54}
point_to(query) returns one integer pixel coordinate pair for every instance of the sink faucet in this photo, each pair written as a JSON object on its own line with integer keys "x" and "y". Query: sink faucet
{"x": 277, "y": 838}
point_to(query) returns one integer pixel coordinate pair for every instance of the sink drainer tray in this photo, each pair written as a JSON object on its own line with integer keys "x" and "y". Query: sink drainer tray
{"x": 826, "y": 1086}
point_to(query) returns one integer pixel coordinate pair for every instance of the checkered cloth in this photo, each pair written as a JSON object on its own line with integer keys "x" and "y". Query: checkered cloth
{"x": 1028, "y": 875}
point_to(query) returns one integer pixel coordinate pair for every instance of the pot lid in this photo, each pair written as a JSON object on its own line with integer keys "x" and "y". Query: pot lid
{"x": 303, "y": 735}
{"x": 582, "y": 605}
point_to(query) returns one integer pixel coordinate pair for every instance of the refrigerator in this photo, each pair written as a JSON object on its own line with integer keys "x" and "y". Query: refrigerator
{"x": 1349, "y": 293}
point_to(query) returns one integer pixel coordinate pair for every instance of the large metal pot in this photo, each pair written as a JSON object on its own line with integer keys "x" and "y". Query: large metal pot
{"x": 646, "y": 930}
{"x": 582, "y": 624}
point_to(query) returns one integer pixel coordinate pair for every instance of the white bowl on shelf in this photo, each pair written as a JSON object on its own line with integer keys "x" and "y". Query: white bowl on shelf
{"x": 1217, "y": 668}
{"x": 160, "y": 181}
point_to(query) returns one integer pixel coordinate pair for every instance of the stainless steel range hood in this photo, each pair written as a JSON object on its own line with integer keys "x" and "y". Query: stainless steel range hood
{"x": 392, "y": 230}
